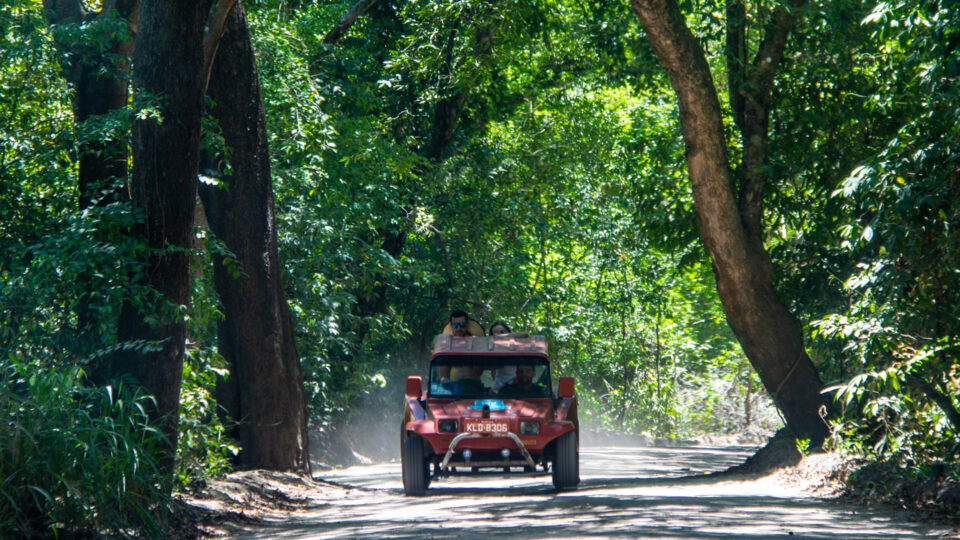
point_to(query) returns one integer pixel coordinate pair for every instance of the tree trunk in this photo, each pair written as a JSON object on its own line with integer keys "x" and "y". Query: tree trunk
{"x": 167, "y": 67}
{"x": 771, "y": 338}
{"x": 100, "y": 86}
{"x": 750, "y": 89}
{"x": 264, "y": 392}
{"x": 99, "y": 79}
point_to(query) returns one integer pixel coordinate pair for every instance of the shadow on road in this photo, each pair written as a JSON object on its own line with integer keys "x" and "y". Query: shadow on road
{"x": 624, "y": 492}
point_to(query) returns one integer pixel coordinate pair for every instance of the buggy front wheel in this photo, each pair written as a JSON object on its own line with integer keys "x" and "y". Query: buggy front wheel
{"x": 416, "y": 468}
{"x": 566, "y": 462}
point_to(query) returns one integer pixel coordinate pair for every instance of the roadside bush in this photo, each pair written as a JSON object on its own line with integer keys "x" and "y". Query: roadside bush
{"x": 203, "y": 448}
{"x": 932, "y": 488}
{"x": 74, "y": 460}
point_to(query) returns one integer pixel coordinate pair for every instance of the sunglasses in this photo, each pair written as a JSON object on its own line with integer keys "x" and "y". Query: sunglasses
{"x": 458, "y": 324}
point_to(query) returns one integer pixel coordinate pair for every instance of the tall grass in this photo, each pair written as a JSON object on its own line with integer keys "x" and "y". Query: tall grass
{"x": 74, "y": 460}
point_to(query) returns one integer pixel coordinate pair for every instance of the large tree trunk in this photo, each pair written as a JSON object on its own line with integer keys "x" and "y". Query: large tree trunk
{"x": 167, "y": 67}
{"x": 264, "y": 392}
{"x": 770, "y": 336}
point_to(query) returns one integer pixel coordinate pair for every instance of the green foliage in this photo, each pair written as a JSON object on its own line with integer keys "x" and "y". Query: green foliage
{"x": 556, "y": 198}
{"x": 34, "y": 132}
{"x": 75, "y": 459}
{"x": 885, "y": 302}
{"x": 594, "y": 276}
{"x": 560, "y": 204}
{"x": 80, "y": 270}
{"x": 63, "y": 272}
{"x": 63, "y": 276}
{"x": 204, "y": 450}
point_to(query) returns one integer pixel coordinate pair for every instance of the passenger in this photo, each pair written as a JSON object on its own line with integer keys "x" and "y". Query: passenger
{"x": 465, "y": 326}
{"x": 459, "y": 322}
{"x": 459, "y": 325}
{"x": 470, "y": 381}
{"x": 498, "y": 328}
{"x": 524, "y": 385}
{"x": 506, "y": 374}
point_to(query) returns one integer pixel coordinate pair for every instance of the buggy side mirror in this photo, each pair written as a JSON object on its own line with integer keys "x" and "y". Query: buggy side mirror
{"x": 565, "y": 390}
{"x": 415, "y": 387}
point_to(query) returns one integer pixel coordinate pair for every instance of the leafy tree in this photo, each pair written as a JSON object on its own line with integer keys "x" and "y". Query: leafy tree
{"x": 731, "y": 223}
{"x": 539, "y": 171}
{"x": 897, "y": 329}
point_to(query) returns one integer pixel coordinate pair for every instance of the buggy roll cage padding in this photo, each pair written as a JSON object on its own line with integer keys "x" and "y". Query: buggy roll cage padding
{"x": 517, "y": 343}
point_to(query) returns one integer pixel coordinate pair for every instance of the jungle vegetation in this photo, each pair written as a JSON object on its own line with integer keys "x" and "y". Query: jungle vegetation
{"x": 229, "y": 226}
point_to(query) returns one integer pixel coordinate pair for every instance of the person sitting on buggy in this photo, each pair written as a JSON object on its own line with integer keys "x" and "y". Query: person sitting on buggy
{"x": 525, "y": 386}
{"x": 470, "y": 382}
{"x": 506, "y": 374}
{"x": 459, "y": 325}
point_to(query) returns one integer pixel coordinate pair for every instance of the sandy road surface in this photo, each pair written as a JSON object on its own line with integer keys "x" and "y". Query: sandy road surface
{"x": 624, "y": 493}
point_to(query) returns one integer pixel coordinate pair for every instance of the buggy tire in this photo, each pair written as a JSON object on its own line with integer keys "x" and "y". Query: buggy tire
{"x": 566, "y": 462}
{"x": 416, "y": 468}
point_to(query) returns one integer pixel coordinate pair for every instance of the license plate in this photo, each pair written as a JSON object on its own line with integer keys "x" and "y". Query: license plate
{"x": 486, "y": 426}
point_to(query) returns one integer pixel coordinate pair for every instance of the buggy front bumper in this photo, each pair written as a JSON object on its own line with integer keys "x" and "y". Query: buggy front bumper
{"x": 527, "y": 460}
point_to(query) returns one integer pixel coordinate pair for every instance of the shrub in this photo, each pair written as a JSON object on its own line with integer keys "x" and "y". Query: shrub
{"x": 75, "y": 459}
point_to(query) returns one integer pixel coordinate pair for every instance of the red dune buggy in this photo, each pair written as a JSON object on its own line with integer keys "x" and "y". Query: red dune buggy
{"x": 488, "y": 407}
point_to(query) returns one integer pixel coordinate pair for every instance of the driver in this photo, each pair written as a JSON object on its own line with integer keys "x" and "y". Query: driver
{"x": 524, "y": 384}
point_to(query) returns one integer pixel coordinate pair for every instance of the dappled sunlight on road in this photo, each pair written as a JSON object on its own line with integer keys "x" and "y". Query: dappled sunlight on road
{"x": 625, "y": 492}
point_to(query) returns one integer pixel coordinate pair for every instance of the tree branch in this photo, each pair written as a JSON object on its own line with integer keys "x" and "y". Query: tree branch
{"x": 753, "y": 120}
{"x": 345, "y": 22}
{"x": 736, "y": 57}
{"x": 942, "y": 400}
{"x": 216, "y": 22}
{"x": 770, "y": 53}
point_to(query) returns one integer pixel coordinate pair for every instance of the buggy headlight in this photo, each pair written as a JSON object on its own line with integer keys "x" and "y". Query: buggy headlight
{"x": 529, "y": 428}
{"x": 447, "y": 426}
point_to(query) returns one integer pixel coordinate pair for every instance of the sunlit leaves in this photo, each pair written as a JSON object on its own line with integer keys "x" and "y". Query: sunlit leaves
{"x": 553, "y": 207}
{"x": 897, "y": 202}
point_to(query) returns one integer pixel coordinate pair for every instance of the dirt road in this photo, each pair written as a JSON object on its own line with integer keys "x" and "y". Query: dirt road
{"x": 624, "y": 493}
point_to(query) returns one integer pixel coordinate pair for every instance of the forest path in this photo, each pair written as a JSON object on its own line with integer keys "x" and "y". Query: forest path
{"x": 625, "y": 492}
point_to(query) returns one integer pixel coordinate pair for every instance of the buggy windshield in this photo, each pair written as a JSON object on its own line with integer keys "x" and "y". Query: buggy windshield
{"x": 484, "y": 376}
